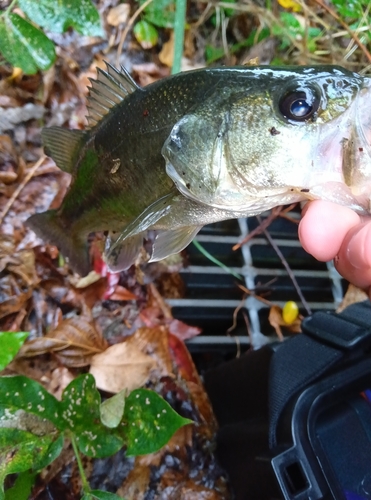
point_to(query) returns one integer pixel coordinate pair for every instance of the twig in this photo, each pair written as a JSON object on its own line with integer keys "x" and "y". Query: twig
{"x": 165, "y": 309}
{"x": 253, "y": 294}
{"x": 248, "y": 327}
{"x": 288, "y": 269}
{"x": 346, "y": 27}
{"x": 20, "y": 187}
{"x": 276, "y": 212}
{"x": 127, "y": 29}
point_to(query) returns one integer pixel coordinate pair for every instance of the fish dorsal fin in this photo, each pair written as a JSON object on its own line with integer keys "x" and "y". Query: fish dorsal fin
{"x": 110, "y": 88}
{"x": 61, "y": 144}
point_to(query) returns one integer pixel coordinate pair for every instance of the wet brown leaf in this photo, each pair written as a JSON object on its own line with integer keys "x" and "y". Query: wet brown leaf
{"x": 18, "y": 277}
{"x": 9, "y": 161}
{"x": 75, "y": 341}
{"x": 121, "y": 366}
{"x": 122, "y": 293}
{"x": 137, "y": 482}
{"x": 182, "y": 330}
{"x": 276, "y": 320}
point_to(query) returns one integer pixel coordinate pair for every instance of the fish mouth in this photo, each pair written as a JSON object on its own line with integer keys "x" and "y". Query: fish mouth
{"x": 357, "y": 148}
{"x": 363, "y": 117}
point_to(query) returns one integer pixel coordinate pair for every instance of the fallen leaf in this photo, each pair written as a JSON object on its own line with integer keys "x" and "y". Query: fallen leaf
{"x": 352, "y": 296}
{"x": 121, "y": 366}
{"x": 74, "y": 342}
{"x": 166, "y": 54}
{"x": 276, "y": 321}
{"x": 154, "y": 342}
{"x": 118, "y": 14}
{"x": 182, "y": 330}
{"x": 91, "y": 278}
{"x": 121, "y": 293}
{"x": 59, "y": 380}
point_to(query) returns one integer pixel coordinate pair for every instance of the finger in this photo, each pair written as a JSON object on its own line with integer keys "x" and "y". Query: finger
{"x": 354, "y": 258}
{"x": 324, "y": 227}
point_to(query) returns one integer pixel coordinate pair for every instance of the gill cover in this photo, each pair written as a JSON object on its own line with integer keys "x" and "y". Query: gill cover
{"x": 197, "y": 156}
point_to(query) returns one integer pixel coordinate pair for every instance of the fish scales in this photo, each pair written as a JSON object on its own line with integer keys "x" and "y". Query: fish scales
{"x": 204, "y": 146}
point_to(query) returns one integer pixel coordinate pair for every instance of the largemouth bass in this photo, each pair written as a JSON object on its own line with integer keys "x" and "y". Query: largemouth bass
{"x": 204, "y": 146}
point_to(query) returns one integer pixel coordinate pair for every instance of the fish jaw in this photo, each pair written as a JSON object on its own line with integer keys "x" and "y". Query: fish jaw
{"x": 357, "y": 154}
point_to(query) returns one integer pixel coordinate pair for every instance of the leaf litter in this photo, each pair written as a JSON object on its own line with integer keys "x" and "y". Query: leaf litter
{"x": 119, "y": 325}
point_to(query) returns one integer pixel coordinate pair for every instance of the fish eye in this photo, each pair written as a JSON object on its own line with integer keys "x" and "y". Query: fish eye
{"x": 299, "y": 105}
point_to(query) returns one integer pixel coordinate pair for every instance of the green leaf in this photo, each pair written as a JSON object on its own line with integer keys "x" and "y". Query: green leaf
{"x": 80, "y": 411}
{"x": 146, "y": 34}
{"x": 10, "y": 343}
{"x": 150, "y": 422}
{"x": 350, "y": 8}
{"x": 24, "y": 46}
{"x": 212, "y": 53}
{"x": 100, "y": 495}
{"x": 161, "y": 13}
{"x": 21, "y": 393}
{"x": 21, "y": 450}
{"x": 112, "y": 410}
{"x": 58, "y": 16}
{"x": 22, "y": 486}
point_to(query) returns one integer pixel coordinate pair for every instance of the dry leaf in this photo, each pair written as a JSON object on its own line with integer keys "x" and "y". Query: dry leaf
{"x": 352, "y": 296}
{"x": 182, "y": 330}
{"x": 121, "y": 366}
{"x": 59, "y": 380}
{"x": 118, "y": 14}
{"x": 166, "y": 55}
{"x": 87, "y": 280}
{"x": 122, "y": 293}
{"x": 154, "y": 342}
{"x": 74, "y": 341}
{"x": 276, "y": 320}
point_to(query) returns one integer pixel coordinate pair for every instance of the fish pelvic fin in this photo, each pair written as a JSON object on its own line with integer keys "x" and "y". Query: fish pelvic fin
{"x": 123, "y": 256}
{"x": 62, "y": 145}
{"x": 48, "y": 226}
{"x": 172, "y": 241}
{"x": 123, "y": 249}
{"x": 109, "y": 89}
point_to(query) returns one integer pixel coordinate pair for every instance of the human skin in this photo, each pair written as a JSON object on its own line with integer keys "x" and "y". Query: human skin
{"x": 329, "y": 231}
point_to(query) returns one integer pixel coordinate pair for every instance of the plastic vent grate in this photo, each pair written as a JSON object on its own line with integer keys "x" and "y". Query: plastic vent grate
{"x": 212, "y": 295}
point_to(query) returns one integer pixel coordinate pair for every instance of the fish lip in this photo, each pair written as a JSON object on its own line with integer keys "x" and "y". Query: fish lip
{"x": 360, "y": 125}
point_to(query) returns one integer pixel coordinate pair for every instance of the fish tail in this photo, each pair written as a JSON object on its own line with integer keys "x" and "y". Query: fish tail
{"x": 49, "y": 227}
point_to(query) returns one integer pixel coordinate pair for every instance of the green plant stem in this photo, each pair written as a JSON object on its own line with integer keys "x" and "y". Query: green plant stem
{"x": 216, "y": 261}
{"x": 179, "y": 28}
{"x": 85, "y": 484}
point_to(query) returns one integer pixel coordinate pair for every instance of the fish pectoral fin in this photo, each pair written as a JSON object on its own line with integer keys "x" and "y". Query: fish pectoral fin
{"x": 172, "y": 241}
{"x": 124, "y": 255}
{"x": 110, "y": 88}
{"x": 136, "y": 230}
{"x": 61, "y": 144}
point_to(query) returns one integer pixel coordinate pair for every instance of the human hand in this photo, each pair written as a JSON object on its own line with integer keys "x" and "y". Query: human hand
{"x": 329, "y": 231}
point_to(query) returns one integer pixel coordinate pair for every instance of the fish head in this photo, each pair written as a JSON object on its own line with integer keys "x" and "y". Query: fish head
{"x": 273, "y": 136}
